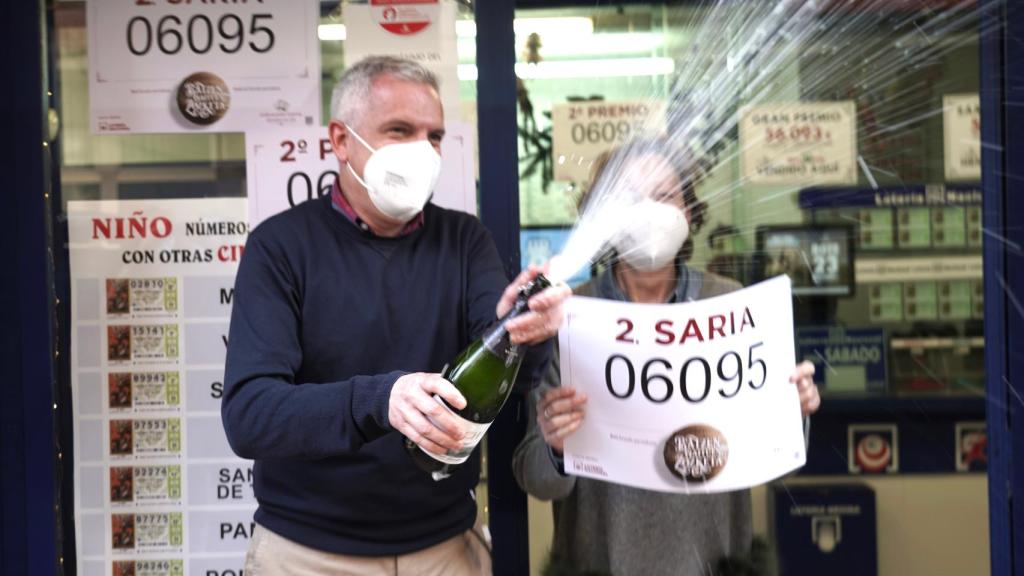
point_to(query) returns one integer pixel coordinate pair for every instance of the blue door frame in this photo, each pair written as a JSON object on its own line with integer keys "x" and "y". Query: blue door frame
{"x": 29, "y": 527}
{"x": 499, "y": 211}
{"x": 1002, "y": 122}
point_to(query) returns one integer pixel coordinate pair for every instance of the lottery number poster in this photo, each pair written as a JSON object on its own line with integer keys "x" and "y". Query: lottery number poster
{"x": 158, "y": 491}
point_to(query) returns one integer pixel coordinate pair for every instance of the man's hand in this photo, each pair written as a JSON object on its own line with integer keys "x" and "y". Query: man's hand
{"x": 413, "y": 411}
{"x": 545, "y": 316}
{"x": 803, "y": 377}
{"x": 559, "y": 413}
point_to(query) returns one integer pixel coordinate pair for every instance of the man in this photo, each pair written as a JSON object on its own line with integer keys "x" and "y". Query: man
{"x": 345, "y": 309}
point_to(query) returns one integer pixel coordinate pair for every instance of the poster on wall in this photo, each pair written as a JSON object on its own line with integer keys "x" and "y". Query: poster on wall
{"x": 961, "y": 122}
{"x": 799, "y": 144}
{"x": 158, "y": 490}
{"x": 419, "y": 30}
{"x": 158, "y": 67}
{"x": 582, "y": 131}
{"x": 845, "y": 359}
{"x": 286, "y": 167}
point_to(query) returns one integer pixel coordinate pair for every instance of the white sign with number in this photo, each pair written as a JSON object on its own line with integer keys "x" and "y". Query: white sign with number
{"x": 284, "y": 168}
{"x": 688, "y": 397}
{"x": 801, "y": 143}
{"x": 582, "y": 131}
{"x": 962, "y": 129}
{"x": 170, "y": 66}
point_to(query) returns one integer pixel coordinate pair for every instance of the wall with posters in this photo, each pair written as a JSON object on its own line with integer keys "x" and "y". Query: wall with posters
{"x": 158, "y": 489}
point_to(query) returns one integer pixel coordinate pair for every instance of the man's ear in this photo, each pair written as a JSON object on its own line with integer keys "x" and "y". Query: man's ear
{"x": 337, "y": 132}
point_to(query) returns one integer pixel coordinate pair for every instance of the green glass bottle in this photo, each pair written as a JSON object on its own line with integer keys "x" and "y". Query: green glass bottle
{"x": 484, "y": 373}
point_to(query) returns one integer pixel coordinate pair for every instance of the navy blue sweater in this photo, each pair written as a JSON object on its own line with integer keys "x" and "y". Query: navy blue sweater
{"x": 326, "y": 317}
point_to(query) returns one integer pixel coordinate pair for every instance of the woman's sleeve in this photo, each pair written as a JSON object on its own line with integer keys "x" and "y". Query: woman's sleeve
{"x": 537, "y": 469}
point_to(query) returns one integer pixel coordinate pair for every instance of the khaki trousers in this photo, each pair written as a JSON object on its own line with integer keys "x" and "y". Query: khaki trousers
{"x": 273, "y": 555}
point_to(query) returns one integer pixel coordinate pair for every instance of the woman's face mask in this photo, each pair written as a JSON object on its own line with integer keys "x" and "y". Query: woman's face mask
{"x": 653, "y": 233}
{"x": 399, "y": 178}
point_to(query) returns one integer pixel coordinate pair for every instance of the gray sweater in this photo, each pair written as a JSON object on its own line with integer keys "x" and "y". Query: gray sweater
{"x": 624, "y": 531}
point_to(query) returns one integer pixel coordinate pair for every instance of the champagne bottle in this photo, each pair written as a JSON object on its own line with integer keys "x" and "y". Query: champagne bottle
{"x": 484, "y": 373}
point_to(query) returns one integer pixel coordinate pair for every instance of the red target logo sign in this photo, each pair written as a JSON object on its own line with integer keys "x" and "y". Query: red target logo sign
{"x": 873, "y": 448}
{"x": 873, "y": 453}
{"x": 404, "y": 17}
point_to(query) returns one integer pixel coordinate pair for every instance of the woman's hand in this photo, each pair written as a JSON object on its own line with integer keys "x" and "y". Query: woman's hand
{"x": 559, "y": 413}
{"x": 803, "y": 377}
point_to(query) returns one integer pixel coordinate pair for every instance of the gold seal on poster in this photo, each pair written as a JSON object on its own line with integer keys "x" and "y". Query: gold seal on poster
{"x": 696, "y": 453}
{"x": 203, "y": 98}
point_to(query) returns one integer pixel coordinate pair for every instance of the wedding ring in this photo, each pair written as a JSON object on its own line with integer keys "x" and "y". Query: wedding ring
{"x": 547, "y": 413}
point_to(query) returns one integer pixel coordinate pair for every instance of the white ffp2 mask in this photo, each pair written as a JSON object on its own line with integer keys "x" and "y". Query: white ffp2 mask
{"x": 399, "y": 178}
{"x": 652, "y": 234}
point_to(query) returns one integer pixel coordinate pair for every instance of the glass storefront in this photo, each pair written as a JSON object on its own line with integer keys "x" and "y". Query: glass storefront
{"x": 903, "y": 321}
{"x": 896, "y": 335}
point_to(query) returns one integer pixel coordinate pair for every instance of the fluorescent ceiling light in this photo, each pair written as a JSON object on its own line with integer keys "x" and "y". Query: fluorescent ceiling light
{"x": 465, "y": 28}
{"x": 569, "y": 26}
{"x": 331, "y": 32}
{"x": 584, "y": 68}
{"x": 557, "y": 46}
{"x": 597, "y": 68}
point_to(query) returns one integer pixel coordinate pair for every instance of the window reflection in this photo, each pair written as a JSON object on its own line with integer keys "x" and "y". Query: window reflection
{"x": 902, "y": 328}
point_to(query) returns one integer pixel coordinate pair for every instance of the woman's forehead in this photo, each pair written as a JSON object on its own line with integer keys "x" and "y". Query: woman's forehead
{"x": 652, "y": 169}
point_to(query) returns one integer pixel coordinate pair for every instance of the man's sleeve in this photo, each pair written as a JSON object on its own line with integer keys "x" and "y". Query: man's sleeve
{"x": 485, "y": 278}
{"x": 266, "y": 413}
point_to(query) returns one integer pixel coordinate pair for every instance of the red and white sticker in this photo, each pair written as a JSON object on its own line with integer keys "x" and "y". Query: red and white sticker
{"x": 873, "y": 448}
{"x": 404, "y": 17}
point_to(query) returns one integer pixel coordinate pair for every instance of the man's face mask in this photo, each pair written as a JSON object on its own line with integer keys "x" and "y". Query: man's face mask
{"x": 652, "y": 234}
{"x": 399, "y": 178}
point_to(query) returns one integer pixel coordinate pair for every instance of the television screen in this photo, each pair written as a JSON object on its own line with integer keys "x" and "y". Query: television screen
{"x": 538, "y": 244}
{"x": 818, "y": 259}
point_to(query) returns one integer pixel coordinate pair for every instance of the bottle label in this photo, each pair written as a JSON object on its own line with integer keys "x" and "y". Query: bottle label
{"x": 472, "y": 432}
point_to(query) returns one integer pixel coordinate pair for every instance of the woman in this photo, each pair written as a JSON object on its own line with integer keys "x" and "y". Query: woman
{"x": 605, "y": 528}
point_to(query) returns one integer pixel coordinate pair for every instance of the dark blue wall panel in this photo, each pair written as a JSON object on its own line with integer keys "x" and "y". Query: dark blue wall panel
{"x": 28, "y": 543}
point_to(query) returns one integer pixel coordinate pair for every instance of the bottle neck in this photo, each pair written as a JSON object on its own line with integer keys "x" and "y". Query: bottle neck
{"x": 496, "y": 338}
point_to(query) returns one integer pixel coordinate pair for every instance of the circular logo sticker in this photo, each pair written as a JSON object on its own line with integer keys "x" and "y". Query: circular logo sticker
{"x": 873, "y": 453}
{"x": 696, "y": 453}
{"x": 404, "y": 17}
{"x": 203, "y": 98}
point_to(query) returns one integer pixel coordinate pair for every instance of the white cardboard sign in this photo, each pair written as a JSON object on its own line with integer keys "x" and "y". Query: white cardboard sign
{"x": 962, "y": 130}
{"x": 688, "y": 397}
{"x": 418, "y": 30}
{"x": 582, "y": 131}
{"x": 799, "y": 143}
{"x": 167, "y": 66}
{"x": 158, "y": 489}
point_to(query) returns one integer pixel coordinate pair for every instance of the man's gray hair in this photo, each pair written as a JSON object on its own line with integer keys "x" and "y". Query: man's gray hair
{"x": 352, "y": 92}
